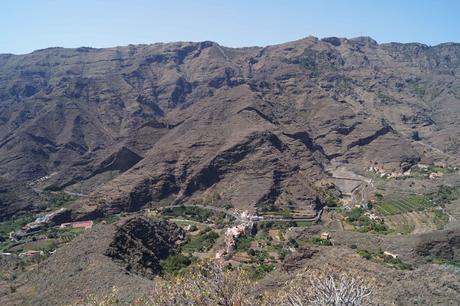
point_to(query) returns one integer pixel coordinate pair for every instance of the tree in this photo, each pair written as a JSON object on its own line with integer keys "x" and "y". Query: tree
{"x": 325, "y": 288}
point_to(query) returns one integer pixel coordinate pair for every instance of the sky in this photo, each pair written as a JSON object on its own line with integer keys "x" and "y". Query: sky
{"x": 27, "y": 25}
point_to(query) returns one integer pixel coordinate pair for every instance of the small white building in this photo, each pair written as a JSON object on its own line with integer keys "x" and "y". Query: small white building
{"x": 386, "y": 253}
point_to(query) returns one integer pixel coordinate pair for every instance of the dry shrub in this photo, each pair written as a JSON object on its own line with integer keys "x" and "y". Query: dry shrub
{"x": 208, "y": 284}
{"x": 326, "y": 286}
{"x": 212, "y": 284}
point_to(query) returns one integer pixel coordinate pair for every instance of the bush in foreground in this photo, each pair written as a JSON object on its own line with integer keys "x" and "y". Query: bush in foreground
{"x": 213, "y": 284}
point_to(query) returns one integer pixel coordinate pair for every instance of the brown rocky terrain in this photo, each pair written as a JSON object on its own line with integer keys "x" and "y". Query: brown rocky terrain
{"x": 81, "y": 270}
{"x": 187, "y": 121}
{"x": 127, "y": 128}
{"x": 16, "y": 196}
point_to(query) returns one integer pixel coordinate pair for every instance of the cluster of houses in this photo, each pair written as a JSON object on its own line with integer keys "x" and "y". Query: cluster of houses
{"x": 38, "y": 225}
{"x": 231, "y": 234}
{"x": 245, "y": 216}
{"x": 39, "y": 180}
{"x": 44, "y": 221}
{"x": 392, "y": 174}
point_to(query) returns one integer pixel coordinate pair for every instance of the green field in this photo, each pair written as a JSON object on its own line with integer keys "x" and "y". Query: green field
{"x": 401, "y": 204}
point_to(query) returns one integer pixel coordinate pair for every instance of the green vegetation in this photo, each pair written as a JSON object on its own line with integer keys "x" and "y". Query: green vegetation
{"x": 262, "y": 234}
{"x": 58, "y": 199}
{"x": 197, "y": 214}
{"x": 331, "y": 202}
{"x": 109, "y": 219}
{"x": 407, "y": 203}
{"x": 440, "y": 261}
{"x": 444, "y": 195}
{"x": 258, "y": 271}
{"x": 387, "y": 100}
{"x": 282, "y": 252}
{"x": 363, "y": 223}
{"x": 420, "y": 90}
{"x": 228, "y": 206}
{"x": 12, "y": 225}
{"x": 389, "y": 261}
{"x": 425, "y": 172}
{"x": 396, "y": 263}
{"x": 243, "y": 243}
{"x": 402, "y": 204}
{"x": 303, "y": 223}
{"x": 283, "y": 225}
{"x": 440, "y": 219}
{"x": 319, "y": 241}
{"x": 65, "y": 234}
{"x": 202, "y": 242}
{"x": 175, "y": 263}
{"x": 355, "y": 214}
{"x": 365, "y": 254}
{"x": 193, "y": 228}
{"x": 193, "y": 213}
{"x": 258, "y": 256}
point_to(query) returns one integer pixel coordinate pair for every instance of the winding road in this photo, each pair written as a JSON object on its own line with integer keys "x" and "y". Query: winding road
{"x": 237, "y": 216}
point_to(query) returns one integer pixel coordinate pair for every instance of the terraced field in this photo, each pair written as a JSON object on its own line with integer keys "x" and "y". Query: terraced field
{"x": 411, "y": 222}
{"x": 399, "y": 204}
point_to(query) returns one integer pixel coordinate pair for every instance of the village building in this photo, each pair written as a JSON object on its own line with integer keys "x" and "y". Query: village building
{"x": 79, "y": 224}
{"x": 435, "y": 175}
{"x": 31, "y": 253}
{"x": 373, "y": 217}
{"x": 386, "y": 253}
{"x": 325, "y": 236}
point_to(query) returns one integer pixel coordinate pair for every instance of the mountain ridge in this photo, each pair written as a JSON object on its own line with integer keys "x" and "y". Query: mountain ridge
{"x": 201, "y": 117}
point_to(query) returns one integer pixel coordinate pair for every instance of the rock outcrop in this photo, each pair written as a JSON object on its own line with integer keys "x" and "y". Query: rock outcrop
{"x": 141, "y": 243}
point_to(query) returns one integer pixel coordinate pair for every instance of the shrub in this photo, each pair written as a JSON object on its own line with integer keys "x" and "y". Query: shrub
{"x": 319, "y": 241}
{"x": 202, "y": 242}
{"x": 214, "y": 284}
{"x": 243, "y": 242}
{"x": 396, "y": 263}
{"x": 355, "y": 214}
{"x": 365, "y": 253}
{"x": 207, "y": 284}
{"x": 329, "y": 288}
{"x": 331, "y": 202}
{"x": 175, "y": 263}
{"x": 292, "y": 242}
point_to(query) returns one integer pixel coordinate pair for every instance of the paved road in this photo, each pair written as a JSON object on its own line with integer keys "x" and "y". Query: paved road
{"x": 75, "y": 194}
{"x": 316, "y": 218}
{"x": 225, "y": 211}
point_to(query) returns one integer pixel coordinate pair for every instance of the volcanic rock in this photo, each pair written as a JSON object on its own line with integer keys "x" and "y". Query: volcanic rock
{"x": 141, "y": 243}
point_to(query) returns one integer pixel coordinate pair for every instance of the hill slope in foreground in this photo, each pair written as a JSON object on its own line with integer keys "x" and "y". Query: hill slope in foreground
{"x": 279, "y": 130}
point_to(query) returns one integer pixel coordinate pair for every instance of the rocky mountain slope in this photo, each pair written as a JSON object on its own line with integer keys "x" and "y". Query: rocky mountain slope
{"x": 185, "y": 121}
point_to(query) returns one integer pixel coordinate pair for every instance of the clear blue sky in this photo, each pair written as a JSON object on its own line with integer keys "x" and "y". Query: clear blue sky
{"x": 27, "y": 25}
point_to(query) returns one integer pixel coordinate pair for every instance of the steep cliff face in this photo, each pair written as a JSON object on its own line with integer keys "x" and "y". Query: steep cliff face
{"x": 187, "y": 121}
